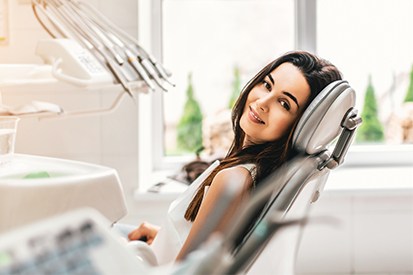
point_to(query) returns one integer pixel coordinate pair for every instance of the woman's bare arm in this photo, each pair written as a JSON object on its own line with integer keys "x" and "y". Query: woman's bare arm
{"x": 218, "y": 185}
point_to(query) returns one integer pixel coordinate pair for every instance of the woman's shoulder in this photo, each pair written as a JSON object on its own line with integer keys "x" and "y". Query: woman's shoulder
{"x": 235, "y": 170}
{"x": 246, "y": 169}
{"x": 236, "y": 174}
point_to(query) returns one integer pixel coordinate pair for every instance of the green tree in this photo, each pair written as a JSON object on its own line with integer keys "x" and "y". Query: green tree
{"x": 190, "y": 125}
{"x": 236, "y": 88}
{"x": 371, "y": 129}
{"x": 409, "y": 94}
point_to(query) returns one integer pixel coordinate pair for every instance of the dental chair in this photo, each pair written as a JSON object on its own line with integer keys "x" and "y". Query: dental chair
{"x": 265, "y": 236}
{"x": 329, "y": 116}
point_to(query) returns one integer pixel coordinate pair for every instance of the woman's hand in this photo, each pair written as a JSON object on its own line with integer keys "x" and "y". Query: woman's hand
{"x": 145, "y": 232}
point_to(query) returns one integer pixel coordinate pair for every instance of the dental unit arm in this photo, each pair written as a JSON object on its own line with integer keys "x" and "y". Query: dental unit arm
{"x": 118, "y": 52}
{"x": 86, "y": 51}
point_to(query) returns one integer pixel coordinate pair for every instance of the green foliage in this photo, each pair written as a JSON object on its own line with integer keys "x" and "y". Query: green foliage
{"x": 409, "y": 94}
{"x": 371, "y": 129}
{"x": 189, "y": 136}
{"x": 236, "y": 88}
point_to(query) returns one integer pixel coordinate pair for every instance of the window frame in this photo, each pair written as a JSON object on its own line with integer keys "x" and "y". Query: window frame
{"x": 305, "y": 39}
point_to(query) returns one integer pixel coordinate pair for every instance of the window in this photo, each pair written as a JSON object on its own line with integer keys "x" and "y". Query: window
{"x": 216, "y": 46}
{"x": 371, "y": 42}
{"x": 211, "y": 40}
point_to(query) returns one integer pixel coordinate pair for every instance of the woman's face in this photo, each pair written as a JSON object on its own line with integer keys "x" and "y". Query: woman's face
{"x": 274, "y": 104}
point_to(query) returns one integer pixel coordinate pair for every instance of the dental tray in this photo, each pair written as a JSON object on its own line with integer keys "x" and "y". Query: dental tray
{"x": 35, "y": 187}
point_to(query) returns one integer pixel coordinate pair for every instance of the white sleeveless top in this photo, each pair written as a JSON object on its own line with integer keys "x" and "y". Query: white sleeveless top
{"x": 175, "y": 229}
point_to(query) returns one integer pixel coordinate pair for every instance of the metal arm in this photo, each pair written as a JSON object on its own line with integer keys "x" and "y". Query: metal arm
{"x": 349, "y": 123}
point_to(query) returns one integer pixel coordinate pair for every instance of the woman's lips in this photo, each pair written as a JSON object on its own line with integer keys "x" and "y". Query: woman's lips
{"x": 254, "y": 116}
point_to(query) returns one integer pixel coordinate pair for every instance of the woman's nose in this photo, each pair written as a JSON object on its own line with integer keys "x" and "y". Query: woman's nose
{"x": 263, "y": 103}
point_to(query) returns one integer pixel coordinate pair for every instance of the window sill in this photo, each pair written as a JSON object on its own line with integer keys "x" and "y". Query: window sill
{"x": 379, "y": 155}
{"x": 389, "y": 180}
{"x": 377, "y": 179}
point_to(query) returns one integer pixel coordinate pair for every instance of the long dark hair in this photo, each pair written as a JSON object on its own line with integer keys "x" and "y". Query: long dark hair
{"x": 269, "y": 155}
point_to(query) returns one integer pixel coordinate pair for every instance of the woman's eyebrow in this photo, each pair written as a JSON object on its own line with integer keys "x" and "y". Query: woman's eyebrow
{"x": 272, "y": 79}
{"x": 292, "y": 97}
{"x": 284, "y": 92}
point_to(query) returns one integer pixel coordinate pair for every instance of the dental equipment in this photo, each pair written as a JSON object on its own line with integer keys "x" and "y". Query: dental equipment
{"x": 36, "y": 187}
{"x": 76, "y": 242}
{"x": 120, "y": 53}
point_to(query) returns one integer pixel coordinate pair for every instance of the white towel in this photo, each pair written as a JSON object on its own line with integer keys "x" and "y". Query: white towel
{"x": 33, "y": 107}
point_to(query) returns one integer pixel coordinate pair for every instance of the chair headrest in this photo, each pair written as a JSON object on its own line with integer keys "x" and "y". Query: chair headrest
{"x": 320, "y": 123}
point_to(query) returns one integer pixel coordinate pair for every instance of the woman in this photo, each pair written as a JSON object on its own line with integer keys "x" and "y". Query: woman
{"x": 264, "y": 118}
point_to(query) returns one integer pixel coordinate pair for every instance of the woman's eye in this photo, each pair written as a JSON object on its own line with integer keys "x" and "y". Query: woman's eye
{"x": 285, "y": 105}
{"x": 266, "y": 85}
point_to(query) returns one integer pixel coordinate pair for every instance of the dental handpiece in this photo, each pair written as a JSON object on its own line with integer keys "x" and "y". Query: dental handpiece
{"x": 139, "y": 69}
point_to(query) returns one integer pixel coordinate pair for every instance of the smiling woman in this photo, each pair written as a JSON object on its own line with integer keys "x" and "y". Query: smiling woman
{"x": 267, "y": 145}
{"x": 272, "y": 106}
{"x": 264, "y": 119}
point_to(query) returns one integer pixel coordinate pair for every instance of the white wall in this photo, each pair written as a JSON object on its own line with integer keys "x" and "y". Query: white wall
{"x": 374, "y": 233}
{"x": 110, "y": 140}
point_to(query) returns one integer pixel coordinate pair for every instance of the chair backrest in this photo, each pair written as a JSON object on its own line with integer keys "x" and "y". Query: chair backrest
{"x": 286, "y": 195}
